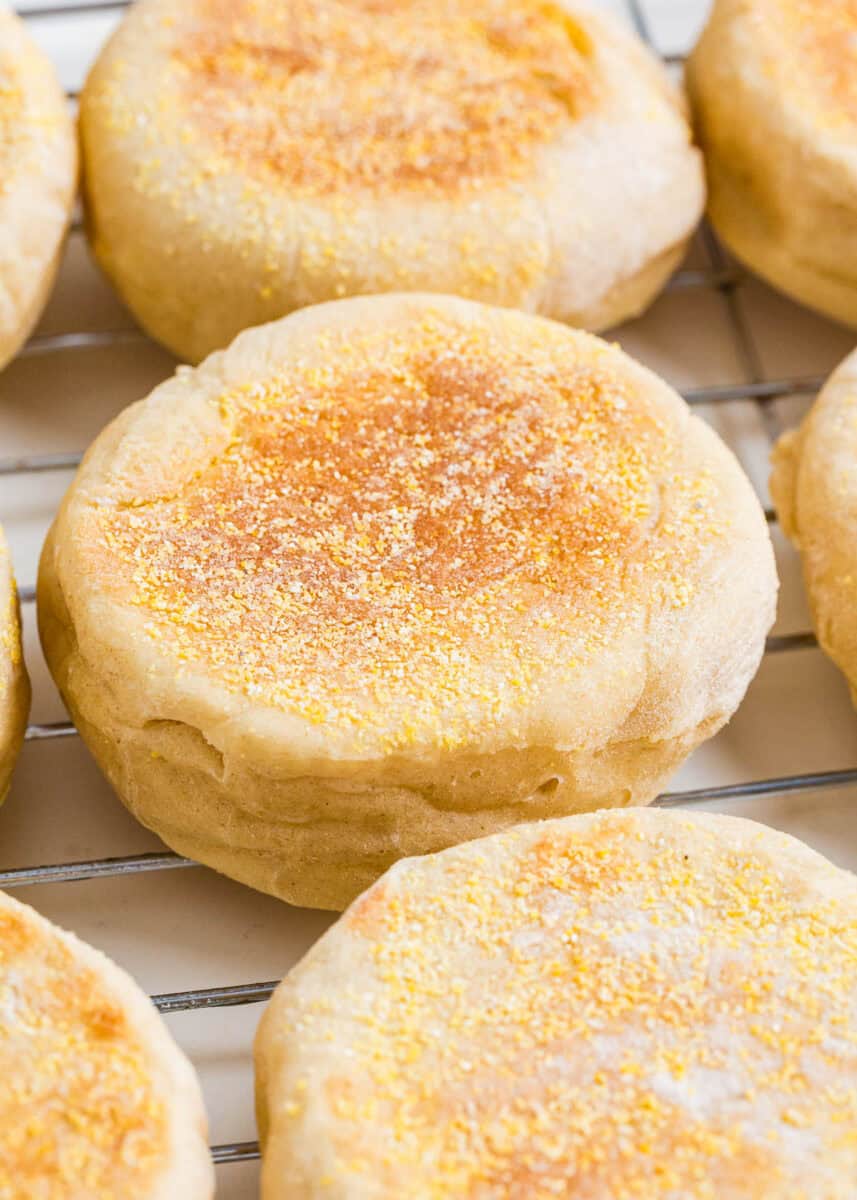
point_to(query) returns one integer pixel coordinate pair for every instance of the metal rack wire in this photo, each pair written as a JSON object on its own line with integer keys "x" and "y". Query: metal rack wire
{"x": 720, "y": 276}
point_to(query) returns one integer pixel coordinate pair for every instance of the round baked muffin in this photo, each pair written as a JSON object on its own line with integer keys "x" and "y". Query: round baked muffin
{"x": 773, "y": 85}
{"x": 14, "y": 684}
{"x": 38, "y": 174}
{"x": 814, "y": 488}
{"x": 641, "y": 1003}
{"x": 395, "y": 572}
{"x": 96, "y": 1101}
{"x": 244, "y": 158}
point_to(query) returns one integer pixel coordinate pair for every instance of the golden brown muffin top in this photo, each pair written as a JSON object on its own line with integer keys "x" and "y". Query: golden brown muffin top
{"x": 78, "y": 1112}
{"x": 323, "y": 96}
{"x": 637, "y": 1004}
{"x": 822, "y": 44}
{"x": 412, "y": 520}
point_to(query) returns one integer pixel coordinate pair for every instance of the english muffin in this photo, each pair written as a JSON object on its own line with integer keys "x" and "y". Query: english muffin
{"x": 773, "y": 85}
{"x": 814, "y": 487}
{"x": 96, "y": 1101}
{"x": 14, "y": 684}
{"x": 394, "y": 572}
{"x": 641, "y": 1003}
{"x": 244, "y": 158}
{"x": 38, "y": 175}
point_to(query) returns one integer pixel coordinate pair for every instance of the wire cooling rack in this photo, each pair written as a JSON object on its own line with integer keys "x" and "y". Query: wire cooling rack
{"x": 710, "y": 271}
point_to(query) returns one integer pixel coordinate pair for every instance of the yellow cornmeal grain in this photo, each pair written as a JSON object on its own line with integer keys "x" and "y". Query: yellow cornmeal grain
{"x": 424, "y": 503}
{"x": 25, "y": 119}
{"x": 596, "y": 1016}
{"x": 322, "y": 96}
{"x": 822, "y": 42}
{"x": 78, "y": 1112}
{"x": 325, "y": 103}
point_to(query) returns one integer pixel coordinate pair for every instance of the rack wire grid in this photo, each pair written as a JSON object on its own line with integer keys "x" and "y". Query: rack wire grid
{"x": 717, "y": 333}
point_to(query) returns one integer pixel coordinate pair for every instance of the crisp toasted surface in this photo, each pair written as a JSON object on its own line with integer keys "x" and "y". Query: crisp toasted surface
{"x": 775, "y": 102}
{"x": 346, "y": 591}
{"x": 247, "y": 158}
{"x": 814, "y": 486}
{"x": 326, "y": 97}
{"x": 14, "y": 684}
{"x": 639, "y": 1003}
{"x": 95, "y": 1100}
{"x": 38, "y": 165}
{"x": 406, "y": 526}
{"x": 407, "y": 523}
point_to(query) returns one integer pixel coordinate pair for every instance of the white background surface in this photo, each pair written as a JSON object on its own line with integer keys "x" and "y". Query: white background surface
{"x": 189, "y": 928}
